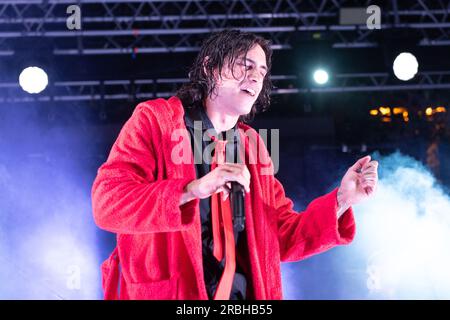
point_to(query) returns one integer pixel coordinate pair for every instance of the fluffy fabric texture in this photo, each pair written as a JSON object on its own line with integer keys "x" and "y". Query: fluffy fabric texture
{"x": 136, "y": 195}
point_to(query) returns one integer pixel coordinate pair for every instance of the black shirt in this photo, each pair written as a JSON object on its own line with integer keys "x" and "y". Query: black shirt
{"x": 213, "y": 268}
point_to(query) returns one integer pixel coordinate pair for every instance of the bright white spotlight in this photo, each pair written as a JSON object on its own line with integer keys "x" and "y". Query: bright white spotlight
{"x": 320, "y": 76}
{"x": 405, "y": 66}
{"x": 33, "y": 80}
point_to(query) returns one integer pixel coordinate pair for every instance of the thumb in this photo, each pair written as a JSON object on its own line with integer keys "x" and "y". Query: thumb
{"x": 360, "y": 163}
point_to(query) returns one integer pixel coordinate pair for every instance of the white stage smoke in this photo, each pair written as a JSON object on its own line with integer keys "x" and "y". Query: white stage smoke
{"x": 404, "y": 233}
{"x": 402, "y": 244}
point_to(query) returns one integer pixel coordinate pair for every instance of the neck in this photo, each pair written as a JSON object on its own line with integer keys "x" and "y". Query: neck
{"x": 221, "y": 121}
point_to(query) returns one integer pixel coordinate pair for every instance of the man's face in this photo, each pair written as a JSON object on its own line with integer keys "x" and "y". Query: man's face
{"x": 239, "y": 88}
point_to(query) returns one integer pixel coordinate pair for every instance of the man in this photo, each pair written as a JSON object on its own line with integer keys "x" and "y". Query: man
{"x": 172, "y": 217}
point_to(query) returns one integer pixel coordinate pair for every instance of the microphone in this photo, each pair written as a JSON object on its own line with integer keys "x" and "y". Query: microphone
{"x": 237, "y": 200}
{"x": 237, "y": 190}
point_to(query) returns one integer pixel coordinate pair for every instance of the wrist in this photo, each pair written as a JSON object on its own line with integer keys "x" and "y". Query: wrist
{"x": 342, "y": 203}
{"x": 188, "y": 194}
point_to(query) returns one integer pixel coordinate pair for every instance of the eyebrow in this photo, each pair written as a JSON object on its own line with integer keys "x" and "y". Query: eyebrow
{"x": 252, "y": 61}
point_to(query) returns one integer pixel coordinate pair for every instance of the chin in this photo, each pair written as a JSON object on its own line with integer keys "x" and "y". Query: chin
{"x": 244, "y": 110}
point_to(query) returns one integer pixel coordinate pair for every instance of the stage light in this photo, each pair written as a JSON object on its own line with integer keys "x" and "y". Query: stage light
{"x": 374, "y": 112}
{"x": 385, "y": 111}
{"x": 320, "y": 76}
{"x": 399, "y": 110}
{"x": 406, "y": 116}
{"x": 429, "y": 111}
{"x": 405, "y": 66}
{"x": 33, "y": 80}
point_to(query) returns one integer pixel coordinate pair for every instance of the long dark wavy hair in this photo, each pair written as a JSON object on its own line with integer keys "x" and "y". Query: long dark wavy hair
{"x": 220, "y": 48}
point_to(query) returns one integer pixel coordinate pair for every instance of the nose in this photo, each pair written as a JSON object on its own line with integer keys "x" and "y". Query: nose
{"x": 255, "y": 76}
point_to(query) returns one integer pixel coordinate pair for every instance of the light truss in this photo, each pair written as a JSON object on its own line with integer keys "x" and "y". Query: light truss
{"x": 135, "y": 26}
{"x": 165, "y": 87}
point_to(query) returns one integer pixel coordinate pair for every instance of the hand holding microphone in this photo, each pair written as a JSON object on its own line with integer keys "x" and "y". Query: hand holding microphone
{"x": 218, "y": 180}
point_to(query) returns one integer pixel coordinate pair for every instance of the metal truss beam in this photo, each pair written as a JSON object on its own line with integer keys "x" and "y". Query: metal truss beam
{"x": 165, "y": 87}
{"x": 133, "y": 26}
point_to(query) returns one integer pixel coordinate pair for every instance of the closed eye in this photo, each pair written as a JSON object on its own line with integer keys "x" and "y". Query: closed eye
{"x": 246, "y": 66}
{"x": 244, "y": 62}
{"x": 249, "y": 67}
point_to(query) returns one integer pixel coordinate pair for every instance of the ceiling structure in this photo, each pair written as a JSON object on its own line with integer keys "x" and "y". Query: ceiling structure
{"x": 120, "y": 29}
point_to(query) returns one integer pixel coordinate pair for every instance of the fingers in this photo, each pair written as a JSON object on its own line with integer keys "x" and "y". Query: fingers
{"x": 371, "y": 166}
{"x": 234, "y": 172}
{"x": 368, "y": 176}
{"x": 366, "y": 180}
{"x": 369, "y": 183}
{"x": 370, "y": 170}
{"x": 239, "y": 167}
{"x": 226, "y": 189}
{"x": 360, "y": 164}
{"x": 369, "y": 190}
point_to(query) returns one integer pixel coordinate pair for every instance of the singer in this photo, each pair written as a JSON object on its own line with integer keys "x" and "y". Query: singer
{"x": 216, "y": 228}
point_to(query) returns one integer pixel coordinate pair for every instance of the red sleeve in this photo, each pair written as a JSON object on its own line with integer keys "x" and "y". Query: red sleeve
{"x": 314, "y": 230}
{"x": 126, "y": 198}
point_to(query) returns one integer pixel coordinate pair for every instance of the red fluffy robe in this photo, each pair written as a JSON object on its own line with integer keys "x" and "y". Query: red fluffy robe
{"x": 136, "y": 195}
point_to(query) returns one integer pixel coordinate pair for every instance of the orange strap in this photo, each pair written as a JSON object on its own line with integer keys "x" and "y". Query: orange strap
{"x": 222, "y": 209}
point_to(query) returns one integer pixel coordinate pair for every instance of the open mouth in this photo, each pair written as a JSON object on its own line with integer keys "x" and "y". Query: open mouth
{"x": 249, "y": 91}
